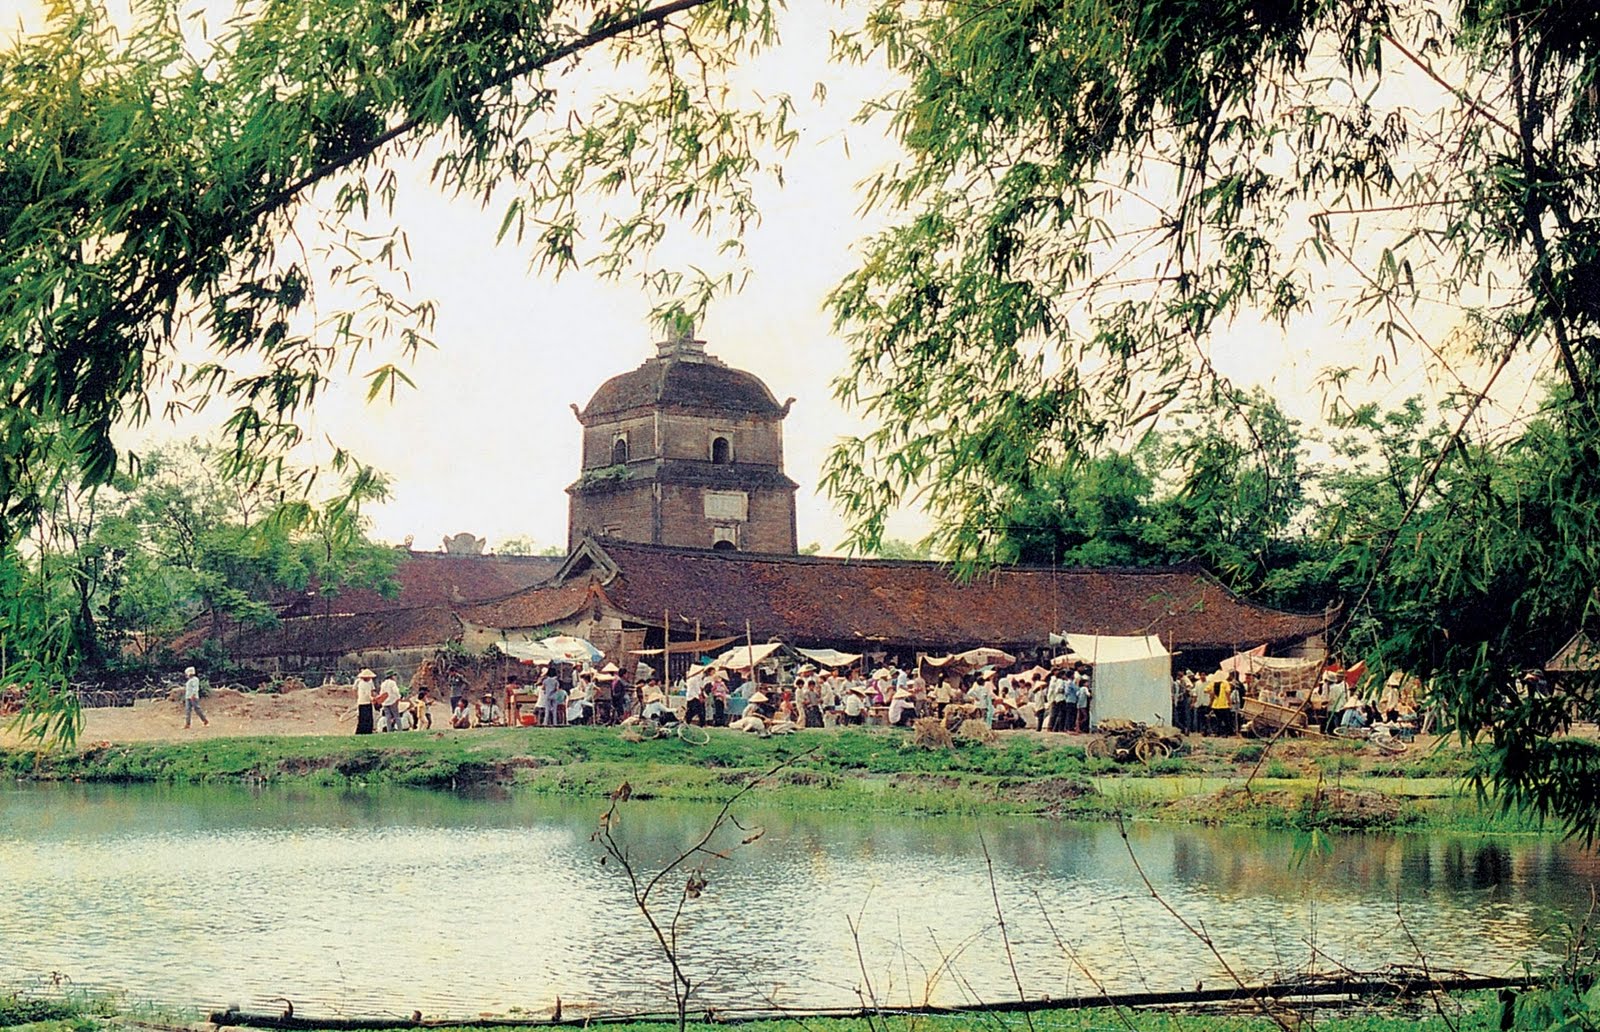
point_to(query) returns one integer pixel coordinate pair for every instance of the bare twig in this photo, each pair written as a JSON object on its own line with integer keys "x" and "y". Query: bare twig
{"x": 864, "y": 991}
{"x": 1005, "y": 938}
{"x": 642, "y": 890}
{"x": 1434, "y": 995}
{"x": 1077, "y": 962}
{"x": 1200, "y": 934}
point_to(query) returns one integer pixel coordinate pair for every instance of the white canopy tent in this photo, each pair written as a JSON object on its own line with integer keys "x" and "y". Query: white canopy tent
{"x": 1132, "y": 676}
{"x": 559, "y": 649}
{"x": 744, "y": 657}
{"x": 830, "y": 657}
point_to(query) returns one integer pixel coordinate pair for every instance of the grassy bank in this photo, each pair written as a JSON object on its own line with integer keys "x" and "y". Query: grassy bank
{"x": 1320, "y": 785}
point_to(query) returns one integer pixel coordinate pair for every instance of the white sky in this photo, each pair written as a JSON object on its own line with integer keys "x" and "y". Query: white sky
{"x": 487, "y": 443}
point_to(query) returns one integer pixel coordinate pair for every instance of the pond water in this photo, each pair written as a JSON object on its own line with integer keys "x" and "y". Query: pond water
{"x": 383, "y": 902}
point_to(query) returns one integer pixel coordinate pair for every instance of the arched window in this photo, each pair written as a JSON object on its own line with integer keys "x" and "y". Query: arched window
{"x": 724, "y": 546}
{"x": 619, "y": 450}
{"x": 721, "y": 451}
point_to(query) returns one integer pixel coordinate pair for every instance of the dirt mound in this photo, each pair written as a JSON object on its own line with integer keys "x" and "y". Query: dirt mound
{"x": 1325, "y": 808}
{"x": 1345, "y": 808}
{"x": 1046, "y": 790}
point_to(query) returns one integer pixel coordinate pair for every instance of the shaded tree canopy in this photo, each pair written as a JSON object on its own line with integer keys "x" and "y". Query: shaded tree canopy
{"x": 1097, "y": 194}
{"x": 158, "y": 182}
{"x": 153, "y": 185}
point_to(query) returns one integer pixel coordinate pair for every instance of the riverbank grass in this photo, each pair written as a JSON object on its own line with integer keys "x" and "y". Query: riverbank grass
{"x": 1311, "y": 785}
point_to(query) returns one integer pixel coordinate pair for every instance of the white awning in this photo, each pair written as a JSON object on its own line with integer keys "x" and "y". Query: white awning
{"x": 830, "y": 657}
{"x": 559, "y": 649}
{"x": 743, "y": 657}
{"x": 986, "y": 657}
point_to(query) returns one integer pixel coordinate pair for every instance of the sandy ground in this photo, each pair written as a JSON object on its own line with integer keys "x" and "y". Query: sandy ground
{"x": 324, "y": 710}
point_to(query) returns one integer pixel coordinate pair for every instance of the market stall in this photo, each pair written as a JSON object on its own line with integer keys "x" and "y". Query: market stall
{"x": 1132, "y": 676}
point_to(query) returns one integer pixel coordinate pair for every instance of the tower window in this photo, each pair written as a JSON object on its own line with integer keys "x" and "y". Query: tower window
{"x": 619, "y": 450}
{"x": 725, "y": 546}
{"x": 721, "y": 451}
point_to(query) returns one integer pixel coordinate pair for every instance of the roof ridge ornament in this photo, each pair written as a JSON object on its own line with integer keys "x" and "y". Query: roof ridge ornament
{"x": 682, "y": 346}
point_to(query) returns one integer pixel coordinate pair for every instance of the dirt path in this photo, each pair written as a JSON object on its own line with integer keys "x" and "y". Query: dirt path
{"x": 324, "y": 710}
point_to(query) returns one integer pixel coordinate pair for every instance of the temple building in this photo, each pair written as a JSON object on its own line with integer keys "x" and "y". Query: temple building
{"x": 682, "y": 531}
{"x": 684, "y": 451}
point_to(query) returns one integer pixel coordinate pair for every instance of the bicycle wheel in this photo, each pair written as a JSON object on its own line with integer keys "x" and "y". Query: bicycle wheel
{"x": 1096, "y": 748}
{"x": 1388, "y": 745}
{"x": 1149, "y": 750}
{"x": 693, "y": 735}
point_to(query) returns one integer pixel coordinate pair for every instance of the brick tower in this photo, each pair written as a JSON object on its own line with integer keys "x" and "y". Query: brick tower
{"x": 684, "y": 451}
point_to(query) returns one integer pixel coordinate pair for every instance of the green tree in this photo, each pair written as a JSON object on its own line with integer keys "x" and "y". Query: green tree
{"x": 1095, "y": 192}
{"x": 1093, "y": 512}
{"x": 1242, "y": 478}
{"x": 154, "y": 170}
{"x": 897, "y": 548}
{"x": 129, "y": 565}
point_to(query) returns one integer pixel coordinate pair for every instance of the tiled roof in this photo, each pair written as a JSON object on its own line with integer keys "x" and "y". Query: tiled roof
{"x": 815, "y": 600}
{"x": 533, "y": 608}
{"x": 702, "y": 386}
{"x": 431, "y": 579}
{"x": 818, "y": 600}
{"x": 319, "y": 636}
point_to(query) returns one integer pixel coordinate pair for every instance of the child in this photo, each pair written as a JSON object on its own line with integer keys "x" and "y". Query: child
{"x": 461, "y": 715}
{"x": 420, "y": 716}
{"x": 560, "y": 704}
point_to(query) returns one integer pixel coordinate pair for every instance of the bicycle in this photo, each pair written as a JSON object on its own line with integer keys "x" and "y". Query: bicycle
{"x": 688, "y": 733}
{"x": 1381, "y": 738}
{"x": 1387, "y": 742}
{"x": 1124, "y": 740}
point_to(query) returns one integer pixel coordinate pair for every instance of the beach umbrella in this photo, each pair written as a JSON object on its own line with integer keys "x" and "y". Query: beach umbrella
{"x": 572, "y": 649}
{"x": 986, "y": 657}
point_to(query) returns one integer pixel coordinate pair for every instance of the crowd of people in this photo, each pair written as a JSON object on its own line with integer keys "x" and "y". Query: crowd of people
{"x": 1215, "y": 704}
{"x": 1058, "y": 698}
{"x": 558, "y": 695}
{"x": 383, "y": 706}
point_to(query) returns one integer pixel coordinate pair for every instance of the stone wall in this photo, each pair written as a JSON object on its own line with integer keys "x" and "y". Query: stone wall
{"x": 627, "y": 513}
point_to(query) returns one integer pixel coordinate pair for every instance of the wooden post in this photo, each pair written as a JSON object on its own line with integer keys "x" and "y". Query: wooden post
{"x": 750, "y": 652}
{"x": 666, "y": 652}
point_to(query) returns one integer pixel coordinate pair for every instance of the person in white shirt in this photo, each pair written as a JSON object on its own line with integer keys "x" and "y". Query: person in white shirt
{"x": 752, "y": 720}
{"x": 389, "y": 699}
{"x": 191, "y": 699}
{"x": 694, "y": 693}
{"x": 902, "y": 708}
{"x": 364, "y": 686}
{"x": 581, "y": 702}
{"x": 548, "y": 714}
{"x": 855, "y": 705}
{"x": 1056, "y": 695}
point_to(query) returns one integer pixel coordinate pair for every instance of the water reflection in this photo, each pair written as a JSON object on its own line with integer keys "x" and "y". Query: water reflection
{"x": 381, "y": 902}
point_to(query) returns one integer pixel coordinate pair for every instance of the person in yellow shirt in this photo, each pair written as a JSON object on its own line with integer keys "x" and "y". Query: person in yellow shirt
{"x": 1221, "y": 706}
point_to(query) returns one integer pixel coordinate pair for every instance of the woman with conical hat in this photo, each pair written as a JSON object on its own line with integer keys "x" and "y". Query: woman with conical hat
{"x": 364, "y": 686}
